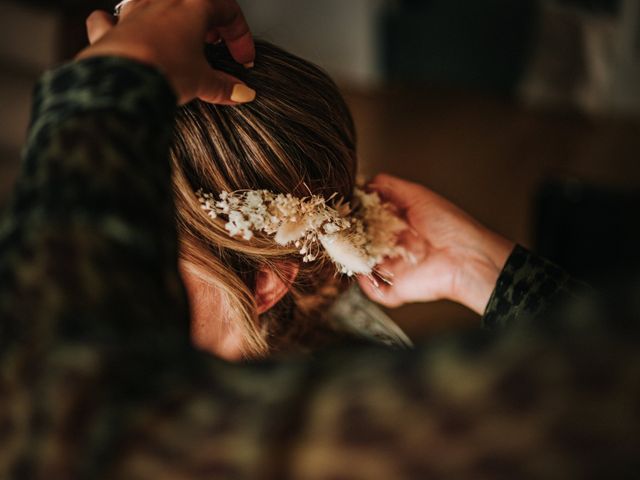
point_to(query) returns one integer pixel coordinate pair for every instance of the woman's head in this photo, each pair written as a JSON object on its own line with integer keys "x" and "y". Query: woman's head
{"x": 297, "y": 137}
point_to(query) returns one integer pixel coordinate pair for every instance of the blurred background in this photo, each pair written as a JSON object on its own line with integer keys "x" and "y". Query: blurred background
{"x": 524, "y": 112}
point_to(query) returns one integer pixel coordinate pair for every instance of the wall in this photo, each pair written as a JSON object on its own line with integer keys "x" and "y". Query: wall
{"x": 339, "y": 35}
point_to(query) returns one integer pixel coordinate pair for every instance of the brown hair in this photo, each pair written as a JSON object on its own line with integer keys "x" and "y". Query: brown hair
{"x": 297, "y": 137}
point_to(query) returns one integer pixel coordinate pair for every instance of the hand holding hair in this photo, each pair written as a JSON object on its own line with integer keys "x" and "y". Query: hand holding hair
{"x": 457, "y": 258}
{"x": 169, "y": 35}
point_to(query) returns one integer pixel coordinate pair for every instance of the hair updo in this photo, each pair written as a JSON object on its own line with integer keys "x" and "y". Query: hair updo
{"x": 297, "y": 137}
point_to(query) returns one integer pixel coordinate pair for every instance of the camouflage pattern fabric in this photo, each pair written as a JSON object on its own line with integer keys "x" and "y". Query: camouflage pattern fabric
{"x": 98, "y": 380}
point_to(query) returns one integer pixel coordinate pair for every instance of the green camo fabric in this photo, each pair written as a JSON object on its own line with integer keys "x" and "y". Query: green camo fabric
{"x": 98, "y": 379}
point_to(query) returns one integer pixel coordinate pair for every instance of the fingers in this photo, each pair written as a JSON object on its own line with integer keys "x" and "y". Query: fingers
{"x": 228, "y": 21}
{"x": 396, "y": 190}
{"x": 240, "y": 44}
{"x": 386, "y": 294}
{"x": 381, "y": 294}
{"x": 189, "y": 22}
{"x": 224, "y": 89}
{"x": 98, "y": 24}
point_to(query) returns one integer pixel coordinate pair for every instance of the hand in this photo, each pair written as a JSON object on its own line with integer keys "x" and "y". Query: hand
{"x": 170, "y": 35}
{"x": 456, "y": 258}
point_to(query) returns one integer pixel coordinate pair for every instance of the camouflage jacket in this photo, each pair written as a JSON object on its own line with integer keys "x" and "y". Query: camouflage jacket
{"x": 98, "y": 378}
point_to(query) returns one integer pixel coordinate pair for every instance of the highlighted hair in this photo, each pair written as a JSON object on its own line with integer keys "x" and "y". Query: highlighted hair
{"x": 297, "y": 137}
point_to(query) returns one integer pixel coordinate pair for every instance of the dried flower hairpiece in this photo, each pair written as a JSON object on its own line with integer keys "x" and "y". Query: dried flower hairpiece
{"x": 356, "y": 238}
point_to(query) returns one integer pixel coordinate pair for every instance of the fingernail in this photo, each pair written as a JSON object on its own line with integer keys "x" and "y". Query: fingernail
{"x": 242, "y": 94}
{"x": 248, "y": 65}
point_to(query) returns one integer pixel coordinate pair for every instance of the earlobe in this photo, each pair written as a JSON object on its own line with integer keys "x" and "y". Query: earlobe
{"x": 271, "y": 287}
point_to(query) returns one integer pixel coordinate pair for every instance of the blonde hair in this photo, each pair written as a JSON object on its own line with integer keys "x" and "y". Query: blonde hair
{"x": 297, "y": 137}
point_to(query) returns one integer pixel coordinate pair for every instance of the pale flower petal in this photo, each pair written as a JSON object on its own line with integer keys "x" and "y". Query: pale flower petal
{"x": 355, "y": 239}
{"x": 290, "y": 232}
{"x": 343, "y": 253}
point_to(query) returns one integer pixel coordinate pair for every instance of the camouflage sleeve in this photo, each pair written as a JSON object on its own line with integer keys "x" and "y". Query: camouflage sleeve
{"x": 97, "y": 379}
{"x": 530, "y": 287}
{"x": 88, "y": 242}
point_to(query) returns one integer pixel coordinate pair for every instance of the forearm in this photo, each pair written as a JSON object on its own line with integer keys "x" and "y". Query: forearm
{"x": 89, "y": 238}
{"x": 530, "y": 287}
{"x": 482, "y": 258}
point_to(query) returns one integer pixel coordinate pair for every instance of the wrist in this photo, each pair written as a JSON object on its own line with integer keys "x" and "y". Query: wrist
{"x": 479, "y": 269}
{"x": 498, "y": 249}
{"x": 138, "y": 52}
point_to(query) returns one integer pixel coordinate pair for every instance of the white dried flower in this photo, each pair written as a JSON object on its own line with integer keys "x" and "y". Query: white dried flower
{"x": 345, "y": 254}
{"x": 289, "y": 232}
{"x": 355, "y": 238}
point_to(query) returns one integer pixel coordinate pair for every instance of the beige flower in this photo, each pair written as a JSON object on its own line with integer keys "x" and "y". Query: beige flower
{"x": 343, "y": 253}
{"x": 355, "y": 239}
{"x": 289, "y": 232}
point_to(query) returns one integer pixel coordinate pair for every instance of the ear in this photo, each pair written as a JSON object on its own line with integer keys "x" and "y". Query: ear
{"x": 271, "y": 287}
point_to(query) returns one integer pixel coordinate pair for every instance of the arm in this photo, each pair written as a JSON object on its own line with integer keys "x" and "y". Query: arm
{"x": 88, "y": 241}
{"x": 530, "y": 287}
{"x": 458, "y": 259}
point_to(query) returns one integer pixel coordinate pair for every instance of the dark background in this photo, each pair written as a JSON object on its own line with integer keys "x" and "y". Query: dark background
{"x": 523, "y": 112}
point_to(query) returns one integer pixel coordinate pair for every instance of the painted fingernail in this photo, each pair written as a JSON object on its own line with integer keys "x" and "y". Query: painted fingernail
{"x": 248, "y": 65}
{"x": 242, "y": 94}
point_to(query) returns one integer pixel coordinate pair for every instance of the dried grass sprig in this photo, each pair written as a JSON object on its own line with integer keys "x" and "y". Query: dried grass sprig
{"x": 355, "y": 237}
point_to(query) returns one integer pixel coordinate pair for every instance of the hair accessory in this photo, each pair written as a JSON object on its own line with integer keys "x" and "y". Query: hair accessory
{"x": 118, "y": 8}
{"x": 355, "y": 237}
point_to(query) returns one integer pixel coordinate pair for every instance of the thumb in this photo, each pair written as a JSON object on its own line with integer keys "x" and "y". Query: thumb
{"x": 98, "y": 24}
{"x": 224, "y": 89}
